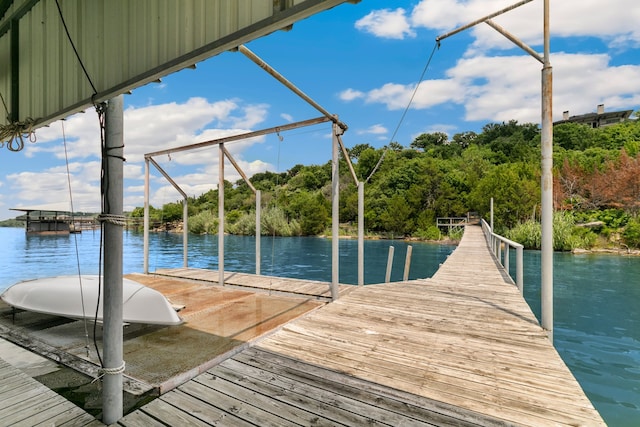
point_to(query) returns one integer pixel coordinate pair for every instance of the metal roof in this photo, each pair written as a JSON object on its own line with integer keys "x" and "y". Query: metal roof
{"x": 122, "y": 44}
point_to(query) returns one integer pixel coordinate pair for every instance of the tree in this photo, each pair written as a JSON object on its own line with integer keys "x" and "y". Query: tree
{"x": 356, "y": 150}
{"x": 429, "y": 140}
{"x": 573, "y": 136}
{"x": 464, "y": 139}
{"x": 396, "y": 216}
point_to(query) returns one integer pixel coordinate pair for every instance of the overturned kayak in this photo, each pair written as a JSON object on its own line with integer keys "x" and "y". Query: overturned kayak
{"x": 76, "y": 297}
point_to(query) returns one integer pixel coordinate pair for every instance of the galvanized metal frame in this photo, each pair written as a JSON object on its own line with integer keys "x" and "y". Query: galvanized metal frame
{"x": 223, "y": 152}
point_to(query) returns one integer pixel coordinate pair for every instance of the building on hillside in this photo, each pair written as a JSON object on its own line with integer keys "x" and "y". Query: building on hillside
{"x": 598, "y": 119}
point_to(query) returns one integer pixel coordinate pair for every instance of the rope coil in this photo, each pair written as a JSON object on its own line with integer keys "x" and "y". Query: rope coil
{"x": 114, "y": 219}
{"x": 109, "y": 371}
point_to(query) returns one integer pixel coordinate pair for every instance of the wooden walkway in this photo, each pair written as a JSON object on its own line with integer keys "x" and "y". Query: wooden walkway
{"x": 462, "y": 348}
{"x": 26, "y": 402}
{"x": 282, "y": 285}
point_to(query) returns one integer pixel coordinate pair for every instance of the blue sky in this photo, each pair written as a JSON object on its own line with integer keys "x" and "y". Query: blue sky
{"x": 361, "y": 62}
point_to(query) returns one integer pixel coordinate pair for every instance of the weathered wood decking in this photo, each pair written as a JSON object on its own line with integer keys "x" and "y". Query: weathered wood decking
{"x": 462, "y": 348}
{"x": 283, "y": 285}
{"x": 26, "y": 402}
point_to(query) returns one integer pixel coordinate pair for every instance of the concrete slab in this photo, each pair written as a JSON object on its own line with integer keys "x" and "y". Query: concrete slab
{"x": 218, "y": 322}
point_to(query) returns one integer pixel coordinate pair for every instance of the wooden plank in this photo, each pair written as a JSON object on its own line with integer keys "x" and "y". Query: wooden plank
{"x": 170, "y": 415}
{"x": 280, "y": 372}
{"x": 300, "y": 287}
{"x": 409, "y": 407}
{"x": 139, "y": 419}
{"x": 204, "y": 411}
{"x": 238, "y": 391}
{"x": 24, "y": 401}
{"x": 323, "y": 409}
{"x": 251, "y": 413}
{"x": 465, "y": 336}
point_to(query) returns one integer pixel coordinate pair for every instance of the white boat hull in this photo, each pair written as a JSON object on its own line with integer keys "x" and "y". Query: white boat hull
{"x": 76, "y": 297}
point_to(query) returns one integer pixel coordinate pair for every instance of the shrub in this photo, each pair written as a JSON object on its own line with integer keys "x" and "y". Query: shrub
{"x": 631, "y": 234}
{"x": 274, "y": 222}
{"x": 430, "y": 233}
{"x": 245, "y": 225}
{"x": 528, "y": 234}
{"x": 203, "y": 223}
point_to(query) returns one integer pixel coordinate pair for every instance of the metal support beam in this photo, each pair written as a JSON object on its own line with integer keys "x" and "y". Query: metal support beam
{"x": 185, "y": 211}
{"x": 112, "y": 327}
{"x": 221, "y": 215}
{"x": 258, "y": 230}
{"x": 276, "y": 129}
{"x": 146, "y": 218}
{"x": 360, "y": 233}
{"x": 481, "y": 20}
{"x": 547, "y": 184}
{"x": 335, "y": 215}
{"x": 262, "y": 64}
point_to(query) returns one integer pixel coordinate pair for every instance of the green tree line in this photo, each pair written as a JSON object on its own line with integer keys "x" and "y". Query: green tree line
{"x": 596, "y": 190}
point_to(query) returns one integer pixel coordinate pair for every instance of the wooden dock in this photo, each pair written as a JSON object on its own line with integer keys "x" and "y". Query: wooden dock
{"x": 277, "y": 285}
{"x": 26, "y": 402}
{"x": 461, "y": 348}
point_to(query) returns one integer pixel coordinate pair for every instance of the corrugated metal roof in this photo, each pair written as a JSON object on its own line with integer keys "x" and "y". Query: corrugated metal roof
{"x": 123, "y": 45}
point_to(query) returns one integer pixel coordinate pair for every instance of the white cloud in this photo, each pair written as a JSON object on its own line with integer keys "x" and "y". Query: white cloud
{"x": 490, "y": 90}
{"x": 376, "y": 129}
{"x": 386, "y": 23}
{"x": 616, "y": 24}
{"x": 350, "y": 95}
{"x": 147, "y": 129}
{"x": 51, "y": 187}
{"x": 287, "y": 117}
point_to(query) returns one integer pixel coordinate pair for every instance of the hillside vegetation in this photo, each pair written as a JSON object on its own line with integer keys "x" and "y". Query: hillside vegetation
{"x": 596, "y": 189}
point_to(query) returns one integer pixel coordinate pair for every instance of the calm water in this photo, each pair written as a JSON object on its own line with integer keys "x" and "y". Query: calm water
{"x": 597, "y": 297}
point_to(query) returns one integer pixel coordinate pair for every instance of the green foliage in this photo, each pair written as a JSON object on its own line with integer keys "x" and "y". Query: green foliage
{"x": 612, "y": 218}
{"x": 566, "y": 236}
{"x": 527, "y": 233}
{"x": 430, "y": 233}
{"x": 429, "y": 140}
{"x": 203, "y": 223}
{"x": 11, "y": 223}
{"x": 631, "y": 234}
{"x": 436, "y": 176}
{"x": 245, "y": 225}
{"x": 275, "y": 223}
{"x": 563, "y": 225}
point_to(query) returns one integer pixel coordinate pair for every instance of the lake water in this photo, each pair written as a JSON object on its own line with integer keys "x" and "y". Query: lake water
{"x": 596, "y": 297}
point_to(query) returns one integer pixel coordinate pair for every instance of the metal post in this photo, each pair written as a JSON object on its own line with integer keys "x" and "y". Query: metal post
{"x": 185, "y": 233}
{"x": 146, "y": 218}
{"x": 491, "y": 214}
{"x": 258, "y": 229}
{"x": 360, "y": 233}
{"x": 112, "y": 318}
{"x": 335, "y": 215}
{"x": 547, "y": 185}
{"x": 505, "y": 263}
{"x": 407, "y": 263}
{"x": 519, "y": 269}
{"x": 387, "y": 276}
{"x": 221, "y": 215}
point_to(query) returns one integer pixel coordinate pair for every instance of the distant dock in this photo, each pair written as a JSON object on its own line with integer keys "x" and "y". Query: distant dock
{"x": 460, "y": 348}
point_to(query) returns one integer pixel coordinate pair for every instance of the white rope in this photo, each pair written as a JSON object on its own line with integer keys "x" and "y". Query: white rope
{"x": 14, "y": 134}
{"x": 109, "y": 371}
{"x": 114, "y": 219}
